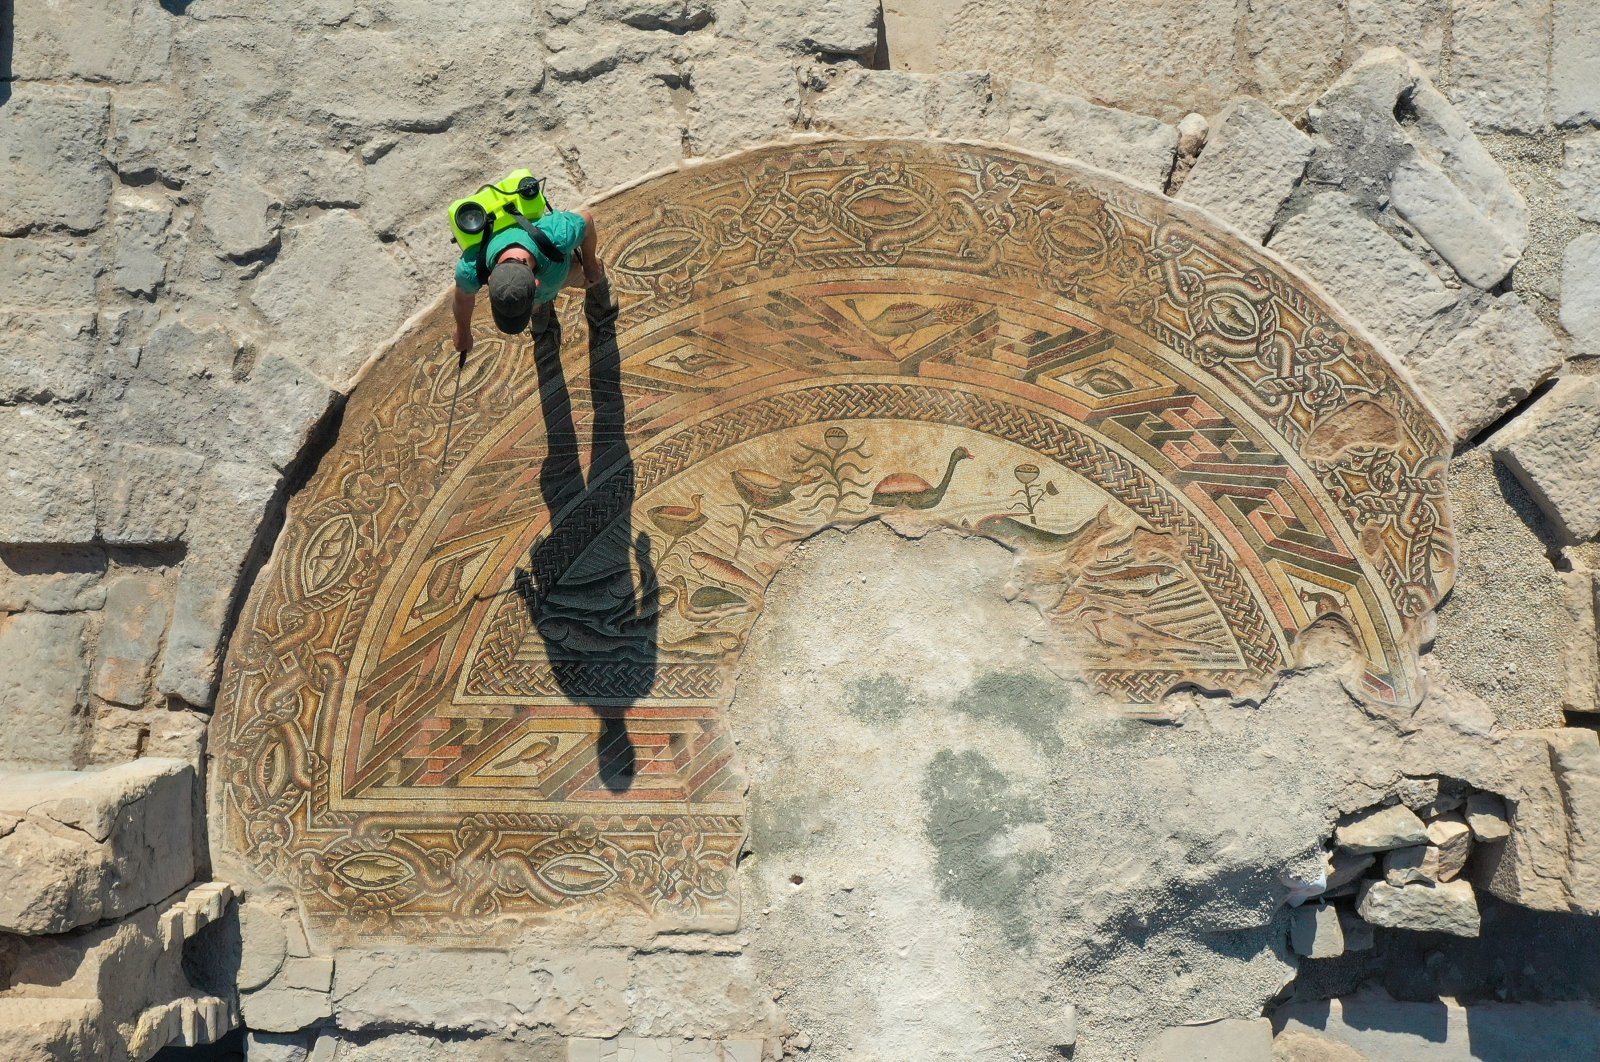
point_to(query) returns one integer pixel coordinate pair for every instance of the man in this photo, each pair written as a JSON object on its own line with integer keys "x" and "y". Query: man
{"x": 523, "y": 278}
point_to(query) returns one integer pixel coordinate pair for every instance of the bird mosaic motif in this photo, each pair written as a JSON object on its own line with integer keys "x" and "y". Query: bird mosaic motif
{"x": 1190, "y": 458}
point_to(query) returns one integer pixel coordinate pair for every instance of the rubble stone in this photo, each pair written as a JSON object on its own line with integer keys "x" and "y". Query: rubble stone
{"x": 1554, "y": 451}
{"x": 1450, "y": 907}
{"x": 1252, "y": 161}
{"x": 93, "y": 845}
{"x": 47, "y": 357}
{"x": 1364, "y": 269}
{"x": 1395, "y": 826}
{"x": 44, "y": 703}
{"x": 1452, "y": 839}
{"x": 1315, "y": 931}
{"x": 1489, "y": 367}
{"x": 1486, "y": 816}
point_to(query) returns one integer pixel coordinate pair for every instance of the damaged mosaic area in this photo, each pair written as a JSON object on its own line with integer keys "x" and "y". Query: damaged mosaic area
{"x": 489, "y": 684}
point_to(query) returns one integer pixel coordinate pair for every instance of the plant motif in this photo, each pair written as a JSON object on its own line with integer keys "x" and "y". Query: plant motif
{"x": 1031, "y": 494}
{"x": 837, "y": 463}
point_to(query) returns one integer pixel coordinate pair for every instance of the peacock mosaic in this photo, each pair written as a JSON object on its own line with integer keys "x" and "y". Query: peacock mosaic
{"x": 486, "y": 685}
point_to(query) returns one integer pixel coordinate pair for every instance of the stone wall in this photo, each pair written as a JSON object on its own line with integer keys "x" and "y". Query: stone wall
{"x": 215, "y": 214}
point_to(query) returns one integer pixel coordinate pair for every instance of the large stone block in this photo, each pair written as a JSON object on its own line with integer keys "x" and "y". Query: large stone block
{"x": 1233, "y": 1040}
{"x": 56, "y": 177}
{"x": 741, "y": 100}
{"x": 1381, "y": 829}
{"x": 1131, "y": 145}
{"x": 49, "y": 476}
{"x": 1499, "y": 62}
{"x": 1574, "y": 63}
{"x": 241, "y": 217}
{"x": 1416, "y": 27}
{"x": 113, "y": 41}
{"x": 1554, "y": 450}
{"x": 832, "y": 28}
{"x": 1381, "y": 283}
{"x": 1449, "y": 907}
{"x": 621, "y": 125}
{"x": 48, "y": 273}
{"x": 1580, "y": 174}
{"x": 43, "y": 689}
{"x": 334, "y": 294}
{"x": 144, "y": 495}
{"x": 895, "y": 103}
{"x": 51, "y": 578}
{"x": 1575, "y": 755}
{"x": 1580, "y": 292}
{"x": 1253, "y": 159}
{"x": 47, "y": 357}
{"x": 1489, "y": 367}
{"x": 86, "y": 846}
{"x": 130, "y": 635}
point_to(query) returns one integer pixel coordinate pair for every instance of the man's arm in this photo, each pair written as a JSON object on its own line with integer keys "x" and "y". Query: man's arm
{"x": 593, "y": 269}
{"x": 461, "y": 306}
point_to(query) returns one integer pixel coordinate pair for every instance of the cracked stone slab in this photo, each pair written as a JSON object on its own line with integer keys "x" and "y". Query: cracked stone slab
{"x": 1554, "y": 450}
{"x": 1252, "y": 161}
{"x": 1487, "y": 368}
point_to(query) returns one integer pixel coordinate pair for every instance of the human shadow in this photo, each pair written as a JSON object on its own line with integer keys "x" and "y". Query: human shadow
{"x": 8, "y": 17}
{"x": 590, "y": 586}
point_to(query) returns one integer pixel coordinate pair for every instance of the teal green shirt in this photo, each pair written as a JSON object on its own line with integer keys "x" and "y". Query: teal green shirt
{"x": 565, "y": 230}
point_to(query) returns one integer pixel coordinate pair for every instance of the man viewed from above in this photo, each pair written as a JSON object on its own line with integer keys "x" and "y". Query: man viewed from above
{"x": 525, "y": 266}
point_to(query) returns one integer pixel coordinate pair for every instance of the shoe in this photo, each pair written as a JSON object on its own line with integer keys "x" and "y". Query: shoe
{"x": 599, "y": 304}
{"x": 540, "y": 319}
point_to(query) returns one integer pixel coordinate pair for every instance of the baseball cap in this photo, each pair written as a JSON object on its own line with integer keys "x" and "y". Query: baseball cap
{"x": 511, "y": 291}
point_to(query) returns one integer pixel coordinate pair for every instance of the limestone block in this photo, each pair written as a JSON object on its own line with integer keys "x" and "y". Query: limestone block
{"x": 1382, "y": 284}
{"x": 893, "y": 103}
{"x": 129, "y": 42}
{"x": 740, "y": 100}
{"x": 263, "y": 944}
{"x": 93, "y": 845}
{"x": 144, "y": 495}
{"x": 48, "y": 476}
{"x": 1286, "y": 50}
{"x": 1554, "y": 451}
{"x": 1396, "y": 826}
{"x": 333, "y": 294}
{"x": 130, "y": 634}
{"x": 278, "y": 1047}
{"x": 1315, "y": 932}
{"x": 152, "y": 128}
{"x": 1416, "y": 27}
{"x": 1580, "y": 175}
{"x": 621, "y": 126}
{"x": 276, "y": 1009}
{"x": 833, "y": 28}
{"x": 43, "y": 689}
{"x": 1489, "y": 367}
{"x": 51, "y": 578}
{"x": 378, "y": 78}
{"x": 1481, "y": 252}
{"x": 1252, "y": 161}
{"x": 1231, "y": 1040}
{"x": 139, "y": 266}
{"x": 241, "y": 217}
{"x": 1575, "y": 755}
{"x": 1450, "y": 907}
{"x": 56, "y": 177}
{"x": 220, "y": 537}
{"x": 1371, "y": 1026}
{"x": 1486, "y": 817}
{"x": 1580, "y": 292}
{"x": 1451, "y": 838}
{"x": 1574, "y": 63}
{"x": 1133, "y": 146}
{"x": 1499, "y": 51}
{"x": 47, "y": 357}
{"x": 47, "y": 273}
{"x": 50, "y": 1030}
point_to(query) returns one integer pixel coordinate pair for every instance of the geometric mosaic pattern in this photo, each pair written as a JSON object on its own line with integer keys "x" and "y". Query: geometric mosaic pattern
{"x": 489, "y": 685}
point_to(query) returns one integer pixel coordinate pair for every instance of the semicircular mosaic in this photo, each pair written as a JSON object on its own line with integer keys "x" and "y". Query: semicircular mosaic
{"x": 490, "y": 684}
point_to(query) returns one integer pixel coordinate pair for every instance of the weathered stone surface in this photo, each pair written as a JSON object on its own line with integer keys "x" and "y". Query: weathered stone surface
{"x": 1450, "y": 907}
{"x": 140, "y": 229}
{"x": 93, "y": 845}
{"x": 1383, "y": 284}
{"x": 1370, "y": 1026}
{"x": 1396, "y": 826}
{"x": 621, "y": 126}
{"x": 48, "y": 273}
{"x": 1499, "y": 55}
{"x": 1580, "y": 174}
{"x": 1489, "y": 367}
{"x": 1286, "y": 56}
{"x": 742, "y": 100}
{"x": 1252, "y": 160}
{"x": 1580, "y": 292}
{"x": 1574, "y": 63}
{"x": 48, "y": 478}
{"x": 1554, "y": 450}
{"x": 241, "y": 217}
{"x": 128, "y": 42}
{"x": 152, "y": 128}
{"x": 277, "y": 1009}
{"x": 1045, "y": 119}
{"x": 1232, "y": 1040}
{"x": 263, "y": 944}
{"x": 278, "y": 1047}
{"x": 1486, "y": 816}
{"x": 890, "y": 103}
{"x": 145, "y": 495}
{"x": 1452, "y": 839}
{"x": 1575, "y": 755}
{"x": 1481, "y": 252}
{"x": 833, "y": 28}
{"x": 130, "y": 635}
{"x": 50, "y": 1029}
{"x": 51, "y": 578}
{"x": 56, "y": 177}
{"x": 46, "y": 357}
{"x": 330, "y": 291}
{"x": 1416, "y": 27}
{"x": 44, "y": 691}
{"x": 1314, "y": 931}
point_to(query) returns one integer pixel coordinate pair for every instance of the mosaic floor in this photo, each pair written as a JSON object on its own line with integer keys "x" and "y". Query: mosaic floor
{"x": 490, "y": 683}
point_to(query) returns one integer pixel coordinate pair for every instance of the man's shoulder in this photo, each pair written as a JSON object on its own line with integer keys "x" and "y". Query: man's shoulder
{"x": 564, "y": 227}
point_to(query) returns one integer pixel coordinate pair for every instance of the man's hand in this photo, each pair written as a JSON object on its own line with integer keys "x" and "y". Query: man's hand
{"x": 461, "y": 310}
{"x": 463, "y": 341}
